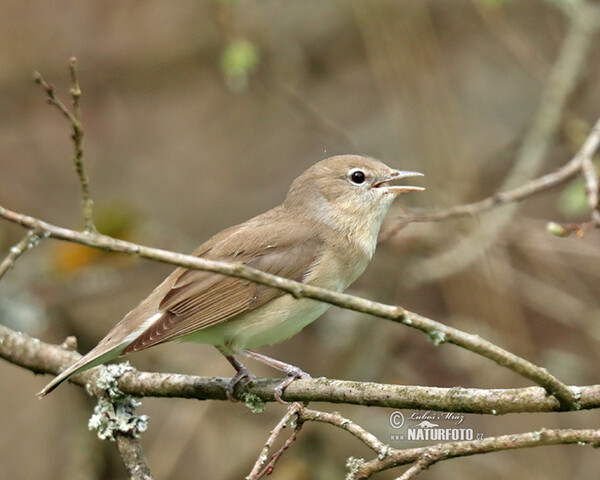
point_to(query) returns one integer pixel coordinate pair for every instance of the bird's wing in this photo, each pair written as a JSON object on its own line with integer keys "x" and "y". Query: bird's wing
{"x": 199, "y": 299}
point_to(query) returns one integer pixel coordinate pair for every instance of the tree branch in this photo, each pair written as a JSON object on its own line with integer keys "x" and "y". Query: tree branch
{"x": 39, "y": 357}
{"x": 438, "y": 332}
{"x": 336, "y": 419}
{"x": 579, "y": 164}
{"x": 424, "y": 457}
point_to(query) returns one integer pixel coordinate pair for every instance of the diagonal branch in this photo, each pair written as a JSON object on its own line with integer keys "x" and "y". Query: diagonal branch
{"x": 579, "y": 164}
{"x": 30, "y": 240}
{"x": 438, "y": 332}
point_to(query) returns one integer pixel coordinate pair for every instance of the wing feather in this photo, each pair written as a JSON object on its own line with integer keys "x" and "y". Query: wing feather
{"x": 199, "y": 299}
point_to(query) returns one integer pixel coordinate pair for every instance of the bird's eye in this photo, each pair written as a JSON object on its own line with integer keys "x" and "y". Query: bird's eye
{"x": 357, "y": 177}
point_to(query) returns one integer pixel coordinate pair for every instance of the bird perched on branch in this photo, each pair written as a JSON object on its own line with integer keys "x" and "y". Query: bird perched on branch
{"x": 323, "y": 234}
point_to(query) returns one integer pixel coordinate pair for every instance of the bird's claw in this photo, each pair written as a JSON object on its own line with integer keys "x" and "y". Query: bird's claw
{"x": 293, "y": 373}
{"x": 240, "y": 376}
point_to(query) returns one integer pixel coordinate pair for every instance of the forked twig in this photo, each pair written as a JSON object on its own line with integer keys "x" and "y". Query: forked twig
{"x": 74, "y": 118}
{"x": 263, "y": 467}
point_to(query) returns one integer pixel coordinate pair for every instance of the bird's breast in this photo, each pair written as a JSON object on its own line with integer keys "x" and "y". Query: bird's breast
{"x": 272, "y": 323}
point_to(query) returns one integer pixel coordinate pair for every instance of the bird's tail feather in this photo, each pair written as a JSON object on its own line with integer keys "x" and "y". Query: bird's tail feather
{"x": 92, "y": 359}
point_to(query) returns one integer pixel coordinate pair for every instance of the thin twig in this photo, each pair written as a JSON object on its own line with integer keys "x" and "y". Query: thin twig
{"x": 438, "y": 332}
{"x": 339, "y": 421}
{"x": 262, "y": 467}
{"x": 84, "y": 181}
{"x": 568, "y": 171}
{"x": 419, "y": 466}
{"x": 269, "y": 467}
{"x": 75, "y": 90}
{"x": 30, "y": 240}
{"x": 590, "y": 177}
{"x": 74, "y": 118}
{"x": 53, "y": 99}
{"x": 262, "y": 458}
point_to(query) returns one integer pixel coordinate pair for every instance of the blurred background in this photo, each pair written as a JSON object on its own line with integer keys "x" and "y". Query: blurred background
{"x": 199, "y": 114}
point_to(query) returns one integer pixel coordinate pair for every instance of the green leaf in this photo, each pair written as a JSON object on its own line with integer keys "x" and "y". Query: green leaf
{"x": 238, "y": 61}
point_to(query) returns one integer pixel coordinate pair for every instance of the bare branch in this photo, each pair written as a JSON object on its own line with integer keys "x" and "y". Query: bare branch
{"x": 579, "y": 163}
{"x": 75, "y": 90}
{"x": 427, "y": 456}
{"x": 40, "y": 357}
{"x": 424, "y": 457}
{"x": 419, "y": 466}
{"x": 438, "y": 332}
{"x": 54, "y": 100}
{"x": 74, "y": 119}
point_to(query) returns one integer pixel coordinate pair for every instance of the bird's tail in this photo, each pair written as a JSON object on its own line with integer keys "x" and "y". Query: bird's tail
{"x": 92, "y": 359}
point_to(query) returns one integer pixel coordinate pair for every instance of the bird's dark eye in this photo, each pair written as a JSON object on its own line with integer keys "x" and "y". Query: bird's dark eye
{"x": 357, "y": 177}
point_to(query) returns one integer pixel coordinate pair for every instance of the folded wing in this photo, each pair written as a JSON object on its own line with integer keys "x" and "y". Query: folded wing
{"x": 199, "y": 299}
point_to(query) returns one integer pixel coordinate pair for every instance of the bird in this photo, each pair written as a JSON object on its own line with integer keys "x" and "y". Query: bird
{"x": 323, "y": 234}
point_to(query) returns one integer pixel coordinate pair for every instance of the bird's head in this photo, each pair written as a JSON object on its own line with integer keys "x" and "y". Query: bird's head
{"x": 350, "y": 193}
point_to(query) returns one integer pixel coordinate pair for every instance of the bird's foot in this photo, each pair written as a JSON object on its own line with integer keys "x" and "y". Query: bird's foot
{"x": 293, "y": 373}
{"x": 242, "y": 375}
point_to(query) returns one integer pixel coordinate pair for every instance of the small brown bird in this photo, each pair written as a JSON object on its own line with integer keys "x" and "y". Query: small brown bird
{"x": 323, "y": 234}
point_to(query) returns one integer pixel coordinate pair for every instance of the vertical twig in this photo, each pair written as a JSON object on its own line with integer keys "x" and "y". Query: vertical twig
{"x": 133, "y": 456}
{"x": 74, "y": 118}
{"x": 590, "y": 176}
{"x": 87, "y": 202}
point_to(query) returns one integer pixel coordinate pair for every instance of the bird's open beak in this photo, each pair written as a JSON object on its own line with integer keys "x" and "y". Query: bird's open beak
{"x": 397, "y": 189}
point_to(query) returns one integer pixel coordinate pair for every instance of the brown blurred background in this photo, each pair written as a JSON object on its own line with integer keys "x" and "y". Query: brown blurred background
{"x": 199, "y": 114}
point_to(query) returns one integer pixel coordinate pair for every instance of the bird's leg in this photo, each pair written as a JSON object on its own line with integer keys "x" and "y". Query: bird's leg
{"x": 292, "y": 371}
{"x": 242, "y": 373}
